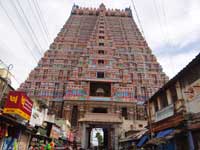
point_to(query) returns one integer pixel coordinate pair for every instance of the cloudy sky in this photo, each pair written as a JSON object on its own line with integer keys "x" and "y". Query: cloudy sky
{"x": 171, "y": 28}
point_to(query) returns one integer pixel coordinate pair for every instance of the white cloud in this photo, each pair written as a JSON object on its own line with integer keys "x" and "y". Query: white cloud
{"x": 174, "y": 63}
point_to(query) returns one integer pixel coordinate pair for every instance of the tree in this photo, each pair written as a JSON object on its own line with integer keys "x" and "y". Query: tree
{"x": 99, "y": 138}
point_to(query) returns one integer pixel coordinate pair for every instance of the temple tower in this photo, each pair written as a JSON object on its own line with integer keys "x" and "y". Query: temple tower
{"x": 97, "y": 73}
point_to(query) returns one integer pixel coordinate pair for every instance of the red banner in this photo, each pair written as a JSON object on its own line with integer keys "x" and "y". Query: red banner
{"x": 18, "y": 103}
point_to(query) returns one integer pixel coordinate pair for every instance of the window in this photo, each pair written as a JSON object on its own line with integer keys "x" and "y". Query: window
{"x": 100, "y": 62}
{"x": 45, "y": 73}
{"x": 37, "y": 84}
{"x": 101, "y": 31}
{"x": 101, "y": 52}
{"x": 163, "y": 100}
{"x": 101, "y": 27}
{"x": 28, "y": 84}
{"x": 61, "y": 73}
{"x": 56, "y": 85}
{"x": 100, "y": 89}
{"x": 143, "y": 91}
{"x": 51, "y": 61}
{"x": 101, "y": 44}
{"x": 154, "y": 78}
{"x": 124, "y": 113}
{"x": 100, "y": 74}
{"x": 101, "y": 37}
{"x": 140, "y": 125}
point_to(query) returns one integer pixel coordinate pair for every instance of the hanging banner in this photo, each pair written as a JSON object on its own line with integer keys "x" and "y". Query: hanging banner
{"x": 18, "y": 103}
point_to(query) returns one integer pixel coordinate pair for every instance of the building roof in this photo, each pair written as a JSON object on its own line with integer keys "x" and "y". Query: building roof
{"x": 101, "y": 118}
{"x": 4, "y": 80}
{"x": 187, "y": 68}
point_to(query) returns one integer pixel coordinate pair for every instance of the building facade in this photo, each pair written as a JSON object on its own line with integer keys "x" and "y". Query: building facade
{"x": 173, "y": 111}
{"x": 98, "y": 65}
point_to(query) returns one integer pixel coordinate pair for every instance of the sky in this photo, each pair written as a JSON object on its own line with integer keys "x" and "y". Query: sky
{"x": 171, "y": 29}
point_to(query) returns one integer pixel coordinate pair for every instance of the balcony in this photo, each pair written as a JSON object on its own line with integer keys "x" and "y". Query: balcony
{"x": 165, "y": 113}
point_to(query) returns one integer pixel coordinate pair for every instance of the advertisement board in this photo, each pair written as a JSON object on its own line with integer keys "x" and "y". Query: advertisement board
{"x": 18, "y": 103}
{"x": 55, "y": 132}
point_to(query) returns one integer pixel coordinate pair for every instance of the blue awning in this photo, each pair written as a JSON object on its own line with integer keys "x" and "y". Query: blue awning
{"x": 142, "y": 140}
{"x": 164, "y": 133}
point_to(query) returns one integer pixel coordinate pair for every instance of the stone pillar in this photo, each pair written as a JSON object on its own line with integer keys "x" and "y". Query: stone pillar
{"x": 84, "y": 136}
{"x": 67, "y": 113}
{"x": 89, "y": 137}
{"x": 81, "y": 110}
{"x": 118, "y": 111}
{"x": 169, "y": 97}
{"x": 131, "y": 114}
{"x": 190, "y": 141}
{"x": 152, "y": 109}
{"x": 178, "y": 90}
{"x": 135, "y": 113}
{"x": 159, "y": 103}
{"x": 116, "y": 140}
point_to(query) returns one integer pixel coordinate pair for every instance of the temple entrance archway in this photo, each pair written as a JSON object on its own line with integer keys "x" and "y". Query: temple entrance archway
{"x": 109, "y": 125}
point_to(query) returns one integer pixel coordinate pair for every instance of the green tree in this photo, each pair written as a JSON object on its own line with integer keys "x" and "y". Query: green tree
{"x": 99, "y": 138}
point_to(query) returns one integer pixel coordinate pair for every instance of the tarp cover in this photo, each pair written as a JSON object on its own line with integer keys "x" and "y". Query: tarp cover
{"x": 142, "y": 140}
{"x": 164, "y": 133}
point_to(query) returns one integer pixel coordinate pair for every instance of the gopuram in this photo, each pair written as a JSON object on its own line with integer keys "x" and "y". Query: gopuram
{"x": 97, "y": 74}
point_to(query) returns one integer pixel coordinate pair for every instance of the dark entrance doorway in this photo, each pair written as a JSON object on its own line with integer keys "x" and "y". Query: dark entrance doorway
{"x": 105, "y": 133}
{"x": 97, "y": 138}
{"x": 99, "y": 110}
{"x": 100, "y": 89}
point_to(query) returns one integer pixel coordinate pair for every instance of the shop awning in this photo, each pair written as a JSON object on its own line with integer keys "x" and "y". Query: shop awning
{"x": 164, "y": 133}
{"x": 142, "y": 140}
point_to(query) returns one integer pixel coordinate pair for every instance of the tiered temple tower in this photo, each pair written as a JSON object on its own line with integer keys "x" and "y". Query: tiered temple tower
{"x": 98, "y": 63}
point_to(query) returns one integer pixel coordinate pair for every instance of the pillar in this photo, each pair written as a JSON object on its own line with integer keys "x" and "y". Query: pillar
{"x": 169, "y": 97}
{"x": 190, "y": 141}
{"x": 84, "y": 136}
{"x": 105, "y": 132}
{"x": 115, "y": 134}
{"x": 178, "y": 90}
{"x": 89, "y": 137}
{"x": 159, "y": 103}
{"x": 67, "y": 113}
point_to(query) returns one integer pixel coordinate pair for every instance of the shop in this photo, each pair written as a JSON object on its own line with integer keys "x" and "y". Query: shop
{"x": 14, "y": 132}
{"x": 9, "y": 134}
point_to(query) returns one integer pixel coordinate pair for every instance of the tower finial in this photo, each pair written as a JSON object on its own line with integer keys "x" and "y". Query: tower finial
{"x": 102, "y": 6}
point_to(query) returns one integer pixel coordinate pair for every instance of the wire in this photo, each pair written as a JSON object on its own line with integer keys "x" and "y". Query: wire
{"x": 159, "y": 20}
{"x": 30, "y": 27}
{"x": 170, "y": 41}
{"x": 137, "y": 16}
{"x": 15, "y": 27}
{"x": 39, "y": 21}
{"x": 41, "y": 17}
{"x": 26, "y": 28}
{"x": 15, "y": 78}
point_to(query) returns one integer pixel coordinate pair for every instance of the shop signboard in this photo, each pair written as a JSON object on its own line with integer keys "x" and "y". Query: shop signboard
{"x": 55, "y": 132}
{"x": 18, "y": 103}
{"x": 70, "y": 136}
